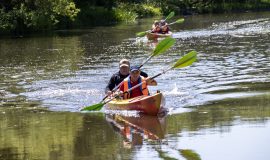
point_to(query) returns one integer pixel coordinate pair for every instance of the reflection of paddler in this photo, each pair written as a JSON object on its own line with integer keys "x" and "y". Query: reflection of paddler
{"x": 127, "y": 132}
{"x": 135, "y": 129}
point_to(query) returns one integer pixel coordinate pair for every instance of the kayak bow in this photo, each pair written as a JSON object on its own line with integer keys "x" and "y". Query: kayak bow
{"x": 155, "y": 36}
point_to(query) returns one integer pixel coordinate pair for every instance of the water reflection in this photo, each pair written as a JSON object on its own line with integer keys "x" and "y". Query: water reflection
{"x": 38, "y": 134}
{"x": 135, "y": 130}
{"x": 218, "y": 106}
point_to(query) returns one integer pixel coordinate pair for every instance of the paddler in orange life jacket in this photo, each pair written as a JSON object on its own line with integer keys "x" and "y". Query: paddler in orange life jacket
{"x": 133, "y": 80}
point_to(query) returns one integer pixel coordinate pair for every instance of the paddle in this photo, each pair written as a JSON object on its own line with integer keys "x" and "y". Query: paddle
{"x": 141, "y": 34}
{"x": 161, "y": 47}
{"x": 169, "y": 16}
{"x": 185, "y": 61}
{"x": 181, "y": 20}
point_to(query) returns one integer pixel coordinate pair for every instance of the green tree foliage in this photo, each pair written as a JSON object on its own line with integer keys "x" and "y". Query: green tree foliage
{"x": 35, "y": 15}
{"x": 18, "y": 15}
{"x": 100, "y": 12}
{"x": 212, "y": 6}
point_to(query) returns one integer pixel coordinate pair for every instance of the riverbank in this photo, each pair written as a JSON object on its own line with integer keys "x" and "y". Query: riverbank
{"x": 19, "y": 18}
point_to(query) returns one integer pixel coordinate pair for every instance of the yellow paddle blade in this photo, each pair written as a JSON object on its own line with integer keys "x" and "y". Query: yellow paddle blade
{"x": 180, "y": 20}
{"x": 141, "y": 34}
{"x": 186, "y": 60}
{"x": 190, "y": 154}
{"x": 163, "y": 45}
{"x": 95, "y": 107}
{"x": 170, "y": 16}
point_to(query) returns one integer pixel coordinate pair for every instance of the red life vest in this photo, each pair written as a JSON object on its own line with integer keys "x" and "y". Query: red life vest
{"x": 143, "y": 88}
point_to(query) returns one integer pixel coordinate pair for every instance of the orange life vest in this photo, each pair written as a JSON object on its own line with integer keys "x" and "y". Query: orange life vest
{"x": 143, "y": 87}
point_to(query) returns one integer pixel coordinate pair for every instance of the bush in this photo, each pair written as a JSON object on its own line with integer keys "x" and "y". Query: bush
{"x": 125, "y": 12}
{"x": 130, "y": 11}
{"x": 24, "y": 16}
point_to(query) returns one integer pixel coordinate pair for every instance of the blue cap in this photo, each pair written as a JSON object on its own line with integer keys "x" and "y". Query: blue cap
{"x": 134, "y": 68}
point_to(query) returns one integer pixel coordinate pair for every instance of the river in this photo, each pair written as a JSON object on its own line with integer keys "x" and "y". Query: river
{"x": 219, "y": 107}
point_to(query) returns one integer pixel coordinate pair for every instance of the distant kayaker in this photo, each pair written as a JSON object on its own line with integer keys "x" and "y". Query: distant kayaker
{"x": 160, "y": 27}
{"x": 134, "y": 79}
{"x": 118, "y": 77}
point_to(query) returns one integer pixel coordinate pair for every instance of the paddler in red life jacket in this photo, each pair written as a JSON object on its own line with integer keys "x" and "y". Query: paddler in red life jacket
{"x": 133, "y": 80}
{"x": 156, "y": 27}
{"x": 164, "y": 27}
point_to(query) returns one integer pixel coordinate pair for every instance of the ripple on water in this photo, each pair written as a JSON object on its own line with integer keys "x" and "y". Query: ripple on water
{"x": 233, "y": 62}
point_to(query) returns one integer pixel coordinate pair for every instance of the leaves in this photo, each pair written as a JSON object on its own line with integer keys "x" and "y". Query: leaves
{"x": 38, "y": 14}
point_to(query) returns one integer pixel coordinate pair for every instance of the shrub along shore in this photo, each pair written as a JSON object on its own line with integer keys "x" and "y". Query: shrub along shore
{"x": 21, "y": 17}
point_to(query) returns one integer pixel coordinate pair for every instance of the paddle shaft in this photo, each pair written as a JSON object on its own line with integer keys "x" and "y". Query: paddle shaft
{"x": 146, "y": 60}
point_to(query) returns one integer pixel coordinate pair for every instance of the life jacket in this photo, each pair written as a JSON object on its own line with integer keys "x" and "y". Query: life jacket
{"x": 127, "y": 85}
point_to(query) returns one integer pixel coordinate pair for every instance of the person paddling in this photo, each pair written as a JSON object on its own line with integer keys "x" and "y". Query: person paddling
{"x": 164, "y": 27}
{"x": 160, "y": 27}
{"x": 156, "y": 27}
{"x": 134, "y": 79}
{"x": 118, "y": 77}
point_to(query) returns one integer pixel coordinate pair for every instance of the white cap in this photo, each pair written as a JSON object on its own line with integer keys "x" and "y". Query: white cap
{"x": 124, "y": 62}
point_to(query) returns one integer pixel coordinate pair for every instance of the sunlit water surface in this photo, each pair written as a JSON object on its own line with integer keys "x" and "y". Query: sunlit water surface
{"x": 219, "y": 107}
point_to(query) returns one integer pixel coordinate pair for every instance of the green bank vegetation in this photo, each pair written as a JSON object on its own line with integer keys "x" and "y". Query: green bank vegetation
{"x": 22, "y": 16}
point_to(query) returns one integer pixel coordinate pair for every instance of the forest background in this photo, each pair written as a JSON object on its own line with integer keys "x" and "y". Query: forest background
{"x": 26, "y": 16}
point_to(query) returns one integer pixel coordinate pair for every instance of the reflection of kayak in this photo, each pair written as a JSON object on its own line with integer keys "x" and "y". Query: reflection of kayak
{"x": 135, "y": 129}
{"x": 146, "y": 104}
{"x": 154, "y": 36}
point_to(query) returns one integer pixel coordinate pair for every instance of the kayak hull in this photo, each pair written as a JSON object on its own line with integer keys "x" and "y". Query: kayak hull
{"x": 155, "y": 36}
{"x": 150, "y": 105}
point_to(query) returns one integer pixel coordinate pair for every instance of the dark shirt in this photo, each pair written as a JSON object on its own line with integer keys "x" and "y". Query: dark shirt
{"x": 117, "y": 78}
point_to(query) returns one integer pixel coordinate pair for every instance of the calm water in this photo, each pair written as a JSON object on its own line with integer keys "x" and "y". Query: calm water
{"x": 219, "y": 108}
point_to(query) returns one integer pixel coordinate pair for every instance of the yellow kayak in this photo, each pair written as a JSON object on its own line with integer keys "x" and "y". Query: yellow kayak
{"x": 150, "y": 105}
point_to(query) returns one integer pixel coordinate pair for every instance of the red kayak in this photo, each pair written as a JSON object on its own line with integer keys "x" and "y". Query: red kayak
{"x": 155, "y": 36}
{"x": 150, "y": 105}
